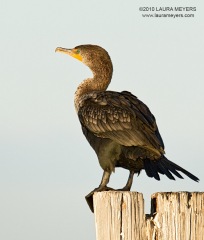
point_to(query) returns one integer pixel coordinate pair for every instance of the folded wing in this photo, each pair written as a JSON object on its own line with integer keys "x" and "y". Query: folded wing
{"x": 121, "y": 117}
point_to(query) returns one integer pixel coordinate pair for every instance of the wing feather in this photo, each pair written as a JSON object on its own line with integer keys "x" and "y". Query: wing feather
{"x": 121, "y": 117}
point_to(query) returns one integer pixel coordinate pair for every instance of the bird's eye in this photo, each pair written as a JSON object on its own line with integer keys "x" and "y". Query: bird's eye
{"x": 77, "y": 51}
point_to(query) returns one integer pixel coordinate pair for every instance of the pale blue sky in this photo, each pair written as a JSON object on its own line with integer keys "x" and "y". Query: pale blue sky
{"x": 46, "y": 165}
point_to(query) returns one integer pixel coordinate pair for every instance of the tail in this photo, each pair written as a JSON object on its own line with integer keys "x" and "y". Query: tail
{"x": 164, "y": 166}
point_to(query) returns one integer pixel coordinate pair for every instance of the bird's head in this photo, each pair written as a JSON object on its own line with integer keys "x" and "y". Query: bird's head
{"x": 93, "y": 56}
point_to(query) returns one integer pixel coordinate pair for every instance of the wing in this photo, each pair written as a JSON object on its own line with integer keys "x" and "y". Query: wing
{"x": 121, "y": 117}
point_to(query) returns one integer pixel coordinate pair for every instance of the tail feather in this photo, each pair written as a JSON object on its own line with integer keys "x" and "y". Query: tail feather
{"x": 165, "y": 166}
{"x": 168, "y": 166}
{"x": 178, "y": 168}
{"x": 151, "y": 169}
{"x": 173, "y": 170}
{"x": 165, "y": 170}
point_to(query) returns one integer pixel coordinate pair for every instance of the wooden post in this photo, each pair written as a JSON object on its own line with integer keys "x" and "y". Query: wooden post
{"x": 178, "y": 215}
{"x": 174, "y": 216}
{"x": 119, "y": 215}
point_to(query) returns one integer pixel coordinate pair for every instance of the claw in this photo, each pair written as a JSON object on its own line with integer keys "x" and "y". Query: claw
{"x": 126, "y": 189}
{"x": 89, "y": 197}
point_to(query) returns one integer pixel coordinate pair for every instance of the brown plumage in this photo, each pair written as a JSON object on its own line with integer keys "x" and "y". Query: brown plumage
{"x": 119, "y": 127}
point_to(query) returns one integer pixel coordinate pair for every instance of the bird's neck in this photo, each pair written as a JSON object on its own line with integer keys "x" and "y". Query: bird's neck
{"x": 99, "y": 82}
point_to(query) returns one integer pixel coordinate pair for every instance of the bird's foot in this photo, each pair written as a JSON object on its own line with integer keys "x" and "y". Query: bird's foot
{"x": 126, "y": 188}
{"x": 129, "y": 182}
{"x": 89, "y": 197}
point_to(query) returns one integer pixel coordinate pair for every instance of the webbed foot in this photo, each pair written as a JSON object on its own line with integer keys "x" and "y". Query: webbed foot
{"x": 126, "y": 188}
{"x": 89, "y": 197}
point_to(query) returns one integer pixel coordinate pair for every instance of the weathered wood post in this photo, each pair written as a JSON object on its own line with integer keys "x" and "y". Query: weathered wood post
{"x": 174, "y": 216}
{"x": 178, "y": 215}
{"x": 119, "y": 215}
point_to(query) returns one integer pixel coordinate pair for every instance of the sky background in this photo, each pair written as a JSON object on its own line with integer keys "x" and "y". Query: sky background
{"x": 46, "y": 165}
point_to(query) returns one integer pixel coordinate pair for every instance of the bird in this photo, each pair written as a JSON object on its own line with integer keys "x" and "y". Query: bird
{"x": 119, "y": 127}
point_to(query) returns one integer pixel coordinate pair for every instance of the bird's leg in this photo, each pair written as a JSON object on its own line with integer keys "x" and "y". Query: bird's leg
{"x": 102, "y": 187}
{"x": 104, "y": 182}
{"x": 129, "y": 182}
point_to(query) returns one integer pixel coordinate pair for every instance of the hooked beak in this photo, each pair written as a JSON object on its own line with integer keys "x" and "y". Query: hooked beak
{"x": 71, "y": 52}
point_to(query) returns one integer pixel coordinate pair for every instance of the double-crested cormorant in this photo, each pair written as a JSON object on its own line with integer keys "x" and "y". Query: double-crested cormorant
{"x": 119, "y": 127}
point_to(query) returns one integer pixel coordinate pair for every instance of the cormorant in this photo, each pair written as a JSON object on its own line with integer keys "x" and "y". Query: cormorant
{"x": 119, "y": 127}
